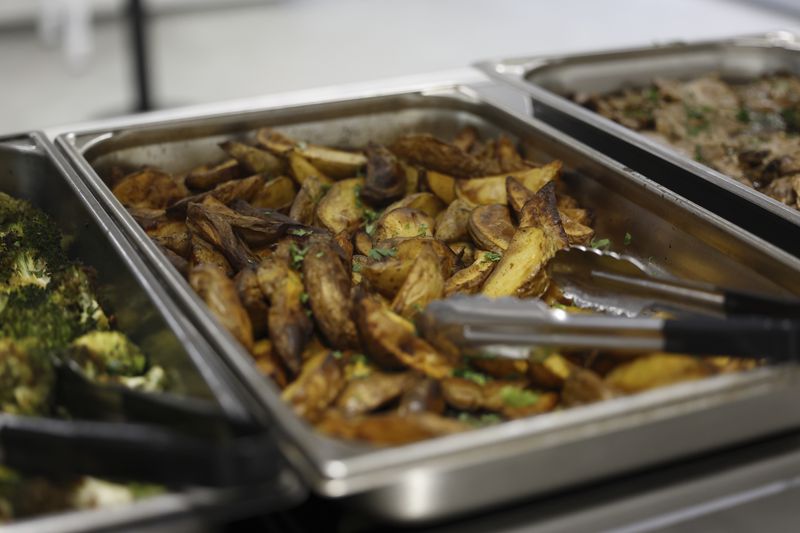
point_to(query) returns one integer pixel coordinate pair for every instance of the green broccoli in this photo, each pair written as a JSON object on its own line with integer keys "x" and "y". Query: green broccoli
{"x": 30, "y": 245}
{"x": 26, "y": 378}
{"x": 107, "y": 353}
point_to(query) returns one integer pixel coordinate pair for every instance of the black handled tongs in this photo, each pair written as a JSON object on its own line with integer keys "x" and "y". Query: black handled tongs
{"x": 122, "y": 433}
{"x": 735, "y": 323}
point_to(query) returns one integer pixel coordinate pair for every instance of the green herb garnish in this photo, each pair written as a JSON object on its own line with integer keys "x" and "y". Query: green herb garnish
{"x": 337, "y": 354}
{"x": 628, "y": 239}
{"x": 297, "y": 254}
{"x": 600, "y": 244}
{"x": 487, "y": 419}
{"x": 743, "y": 115}
{"x": 466, "y": 373}
{"x": 423, "y": 230}
{"x": 379, "y": 253}
{"x": 303, "y": 297}
{"x": 319, "y": 254}
{"x": 356, "y": 267}
{"x": 300, "y": 232}
{"x": 491, "y": 257}
{"x": 517, "y": 397}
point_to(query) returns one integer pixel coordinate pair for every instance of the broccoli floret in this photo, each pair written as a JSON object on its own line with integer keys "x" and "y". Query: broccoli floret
{"x": 26, "y": 378}
{"x": 30, "y": 245}
{"x": 72, "y": 289}
{"x": 107, "y": 354}
{"x": 31, "y": 312}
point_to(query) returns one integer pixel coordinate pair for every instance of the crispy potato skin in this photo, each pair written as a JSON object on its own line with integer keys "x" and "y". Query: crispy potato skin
{"x": 657, "y": 370}
{"x": 424, "y": 284}
{"x": 253, "y": 160}
{"x": 404, "y": 222}
{"x": 470, "y": 280}
{"x": 253, "y": 300}
{"x": 226, "y": 193}
{"x": 453, "y": 224}
{"x": 386, "y": 179}
{"x": 207, "y": 177}
{"x": 219, "y": 293}
{"x": 492, "y": 189}
{"x": 423, "y": 395}
{"x": 363, "y": 395}
{"x": 327, "y": 283}
{"x": 316, "y": 387}
{"x": 430, "y": 152}
{"x": 149, "y": 188}
{"x": 490, "y": 227}
{"x": 426, "y": 202}
{"x": 341, "y": 208}
{"x": 278, "y": 193}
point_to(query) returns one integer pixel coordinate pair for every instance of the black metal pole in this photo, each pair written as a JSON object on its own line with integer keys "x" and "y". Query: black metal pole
{"x": 139, "y": 56}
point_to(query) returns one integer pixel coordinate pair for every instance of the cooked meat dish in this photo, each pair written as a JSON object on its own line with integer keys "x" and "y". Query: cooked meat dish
{"x": 746, "y": 130}
{"x": 317, "y": 260}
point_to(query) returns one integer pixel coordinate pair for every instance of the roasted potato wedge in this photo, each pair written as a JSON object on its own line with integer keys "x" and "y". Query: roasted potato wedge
{"x": 203, "y": 253}
{"x": 327, "y": 283}
{"x": 413, "y": 247}
{"x": 657, "y": 370}
{"x": 302, "y": 169}
{"x": 404, "y": 222}
{"x": 148, "y": 188}
{"x": 214, "y": 227}
{"x": 507, "y": 155}
{"x": 226, "y": 193}
{"x": 470, "y": 280}
{"x": 305, "y": 202}
{"x": 363, "y": 395}
{"x": 413, "y": 176}
{"x": 275, "y": 142}
{"x": 173, "y": 235}
{"x": 316, "y": 387}
{"x": 268, "y": 363}
{"x": 220, "y": 295}
{"x": 492, "y": 189}
{"x": 423, "y": 201}
{"x": 452, "y": 226}
{"x": 424, "y": 284}
{"x": 389, "y": 428}
{"x": 341, "y": 208}
{"x": 423, "y": 395}
{"x": 490, "y": 227}
{"x": 387, "y": 276}
{"x": 434, "y": 154}
{"x": 275, "y": 194}
{"x": 466, "y": 138}
{"x": 207, "y": 177}
{"x": 337, "y": 164}
{"x": 386, "y": 179}
{"x": 253, "y": 300}
{"x": 441, "y": 185}
{"x": 253, "y": 160}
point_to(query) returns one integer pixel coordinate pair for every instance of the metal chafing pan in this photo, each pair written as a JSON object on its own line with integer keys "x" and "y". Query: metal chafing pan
{"x": 30, "y": 168}
{"x": 471, "y": 471}
{"x": 549, "y": 80}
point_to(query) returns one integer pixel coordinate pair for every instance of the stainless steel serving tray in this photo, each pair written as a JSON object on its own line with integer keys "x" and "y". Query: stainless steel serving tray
{"x": 30, "y": 168}
{"x": 549, "y": 80}
{"x": 514, "y": 460}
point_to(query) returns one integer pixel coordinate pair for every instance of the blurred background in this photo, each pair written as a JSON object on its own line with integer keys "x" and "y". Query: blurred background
{"x": 67, "y": 61}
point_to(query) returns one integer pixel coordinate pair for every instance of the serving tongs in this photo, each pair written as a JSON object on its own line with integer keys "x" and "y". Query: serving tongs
{"x": 735, "y": 323}
{"x": 127, "y": 434}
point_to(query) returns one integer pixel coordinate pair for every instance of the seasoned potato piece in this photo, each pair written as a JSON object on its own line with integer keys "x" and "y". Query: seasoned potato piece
{"x": 581, "y": 216}
{"x": 424, "y": 284}
{"x": 431, "y": 153}
{"x": 500, "y": 368}
{"x": 305, "y": 202}
{"x": 576, "y": 232}
{"x": 452, "y": 226}
{"x": 412, "y": 177}
{"x": 550, "y": 373}
{"x": 327, "y": 283}
{"x": 226, "y": 193}
{"x": 275, "y": 194}
{"x": 386, "y": 179}
{"x": 253, "y": 160}
{"x": 469, "y": 280}
{"x": 508, "y": 156}
{"x": 541, "y": 211}
{"x": 583, "y": 386}
{"x": 289, "y": 327}
{"x": 362, "y": 243}
{"x": 371, "y": 392}
{"x": 275, "y": 142}
{"x": 387, "y": 276}
{"x": 465, "y": 252}
{"x": 510, "y": 398}
{"x": 411, "y": 248}
{"x": 302, "y": 169}
{"x": 207, "y": 222}
{"x": 441, "y": 185}
{"x": 148, "y": 188}
{"x": 517, "y": 273}
{"x": 219, "y": 294}
{"x": 424, "y": 395}
{"x": 207, "y": 177}
{"x": 657, "y": 370}
{"x": 492, "y": 189}
{"x": 391, "y": 340}
{"x": 340, "y": 209}
{"x": 517, "y": 194}
{"x": 337, "y": 164}
{"x": 173, "y": 235}
{"x": 268, "y": 363}
{"x": 424, "y": 201}
{"x": 203, "y": 253}
{"x": 466, "y": 138}
{"x": 253, "y": 300}
{"x": 404, "y": 222}
{"x": 316, "y": 387}
{"x": 491, "y": 228}
{"x": 389, "y": 428}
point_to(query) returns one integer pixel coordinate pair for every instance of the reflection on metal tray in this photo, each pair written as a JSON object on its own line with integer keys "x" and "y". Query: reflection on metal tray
{"x": 31, "y": 169}
{"x": 471, "y": 471}
{"x": 550, "y": 80}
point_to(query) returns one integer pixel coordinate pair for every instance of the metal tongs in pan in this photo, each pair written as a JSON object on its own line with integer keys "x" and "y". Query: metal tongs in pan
{"x": 732, "y": 323}
{"x": 127, "y": 434}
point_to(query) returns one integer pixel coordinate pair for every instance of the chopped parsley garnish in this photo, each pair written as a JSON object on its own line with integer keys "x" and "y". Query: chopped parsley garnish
{"x": 517, "y": 397}
{"x": 652, "y": 94}
{"x": 319, "y": 254}
{"x": 491, "y": 257}
{"x": 297, "y": 254}
{"x": 302, "y": 145}
{"x": 300, "y": 232}
{"x": 743, "y": 115}
{"x": 696, "y": 119}
{"x": 698, "y": 154}
{"x": 337, "y": 354}
{"x": 356, "y": 267}
{"x": 466, "y": 373}
{"x": 303, "y": 297}
{"x": 600, "y": 244}
{"x": 423, "y": 230}
{"x": 791, "y": 118}
{"x": 357, "y": 192}
{"x": 379, "y": 253}
{"x": 628, "y": 239}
